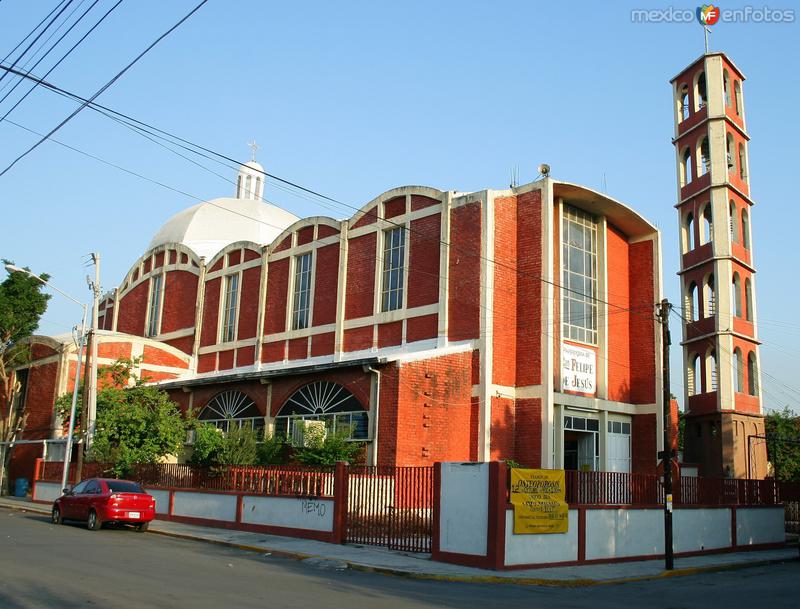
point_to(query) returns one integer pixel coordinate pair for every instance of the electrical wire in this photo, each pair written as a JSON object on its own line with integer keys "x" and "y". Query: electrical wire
{"x": 102, "y": 89}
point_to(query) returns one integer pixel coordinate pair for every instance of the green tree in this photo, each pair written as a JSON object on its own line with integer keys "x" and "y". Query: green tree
{"x": 135, "y": 424}
{"x": 273, "y": 450}
{"x": 783, "y": 443}
{"x": 22, "y": 304}
{"x": 239, "y": 447}
{"x": 208, "y": 441}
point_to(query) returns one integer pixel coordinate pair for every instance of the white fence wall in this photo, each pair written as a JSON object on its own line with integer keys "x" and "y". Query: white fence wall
{"x": 464, "y": 508}
{"x": 46, "y": 491}
{"x": 695, "y": 530}
{"x": 760, "y": 525}
{"x": 210, "y": 506}
{"x": 619, "y": 533}
{"x": 528, "y": 549}
{"x": 309, "y": 514}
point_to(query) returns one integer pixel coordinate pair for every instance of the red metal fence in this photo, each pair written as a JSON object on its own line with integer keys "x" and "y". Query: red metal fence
{"x": 391, "y": 506}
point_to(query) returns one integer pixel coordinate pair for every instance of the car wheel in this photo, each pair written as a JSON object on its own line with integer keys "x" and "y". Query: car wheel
{"x": 93, "y": 523}
{"x": 56, "y": 518}
{"x": 142, "y": 527}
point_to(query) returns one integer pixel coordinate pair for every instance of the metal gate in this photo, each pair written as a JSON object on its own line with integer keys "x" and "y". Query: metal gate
{"x": 390, "y": 506}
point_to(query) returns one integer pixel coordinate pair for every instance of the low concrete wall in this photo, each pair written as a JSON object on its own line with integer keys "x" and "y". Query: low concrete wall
{"x": 206, "y": 506}
{"x": 46, "y": 491}
{"x": 622, "y": 533}
{"x": 308, "y": 514}
{"x": 699, "y": 529}
{"x": 528, "y": 549}
{"x": 162, "y": 500}
{"x": 755, "y": 526}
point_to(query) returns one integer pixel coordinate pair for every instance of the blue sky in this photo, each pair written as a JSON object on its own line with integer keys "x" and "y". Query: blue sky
{"x": 354, "y": 98}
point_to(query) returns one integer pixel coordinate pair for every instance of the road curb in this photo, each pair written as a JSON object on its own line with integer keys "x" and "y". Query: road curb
{"x": 474, "y": 579}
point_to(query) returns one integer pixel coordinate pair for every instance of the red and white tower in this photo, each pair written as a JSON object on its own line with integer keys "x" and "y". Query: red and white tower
{"x": 720, "y": 339}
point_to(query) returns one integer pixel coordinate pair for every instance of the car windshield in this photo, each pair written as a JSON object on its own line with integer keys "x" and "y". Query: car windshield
{"x": 123, "y": 486}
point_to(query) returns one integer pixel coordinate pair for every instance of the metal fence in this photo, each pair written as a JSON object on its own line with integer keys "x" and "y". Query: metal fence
{"x": 391, "y": 506}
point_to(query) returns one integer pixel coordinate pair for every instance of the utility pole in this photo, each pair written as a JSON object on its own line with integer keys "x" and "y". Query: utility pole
{"x": 89, "y": 402}
{"x": 666, "y": 455}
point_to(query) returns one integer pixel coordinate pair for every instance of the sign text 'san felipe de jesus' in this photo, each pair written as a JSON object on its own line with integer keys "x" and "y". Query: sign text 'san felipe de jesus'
{"x": 538, "y": 499}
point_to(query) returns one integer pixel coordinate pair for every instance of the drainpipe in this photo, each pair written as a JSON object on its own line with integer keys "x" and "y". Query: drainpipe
{"x": 376, "y": 418}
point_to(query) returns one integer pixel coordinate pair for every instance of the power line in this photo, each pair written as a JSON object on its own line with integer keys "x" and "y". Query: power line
{"x": 103, "y": 88}
{"x": 21, "y": 55}
{"x": 43, "y": 57}
{"x": 29, "y": 34}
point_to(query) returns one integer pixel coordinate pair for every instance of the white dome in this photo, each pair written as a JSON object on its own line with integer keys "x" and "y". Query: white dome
{"x": 208, "y": 227}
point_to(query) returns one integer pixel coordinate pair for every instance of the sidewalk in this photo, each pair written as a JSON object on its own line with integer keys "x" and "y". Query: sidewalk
{"x": 381, "y": 560}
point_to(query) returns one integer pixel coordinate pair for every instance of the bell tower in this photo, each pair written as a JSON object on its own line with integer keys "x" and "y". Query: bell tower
{"x": 720, "y": 340}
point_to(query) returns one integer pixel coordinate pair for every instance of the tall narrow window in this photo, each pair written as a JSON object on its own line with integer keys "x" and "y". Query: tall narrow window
{"x": 710, "y": 297}
{"x": 737, "y": 97}
{"x": 691, "y": 297}
{"x": 734, "y": 225}
{"x": 736, "y": 295}
{"x": 301, "y": 302}
{"x": 701, "y": 97}
{"x": 258, "y": 188}
{"x": 729, "y": 147}
{"x": 690, "y": 244}
{"x": 394, "y": 254}
{"x": 711, "y": 370}
{"x": 708, "y": 224}
{"x": 742, "y": 163}
{"x": 705, "y": 157}
{"x": 230, "y": 303}
{"x": 684, "y": 102}
{"x": 686, "y": 167}
{"x": 693, "y": 374}
{"x": 745, "y": 229}
{"x": 154, "y": 310}
{"x": 726, "y": 87}
{"x": 738, "y": 371}
{"x": 752, "y": 374}
{"x": 579, "y": 265}
{"x": 239, "y": 187}
{"x": 748, "y": 299}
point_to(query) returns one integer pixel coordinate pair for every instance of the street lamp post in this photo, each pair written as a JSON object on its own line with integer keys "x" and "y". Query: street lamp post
{"x": 67, "y": 453}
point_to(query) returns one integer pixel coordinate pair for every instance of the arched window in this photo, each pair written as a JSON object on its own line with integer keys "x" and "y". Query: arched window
{"x": 322, "y": 404}
{"x": 742, "y": 163}
{"x": 691, "y": 311}
{"x": 738, "y": 371}
{"x": 248, "y": 192}
{"x": 711, "y": 370}
{"x": 734, "y": 225}
{"x": 710, "y": 297}
{"x": 705, "y": 157}
{"x": 689, "y": 232}
{"x": 232, "y": 408}
{"x": 686, "y": 167}
{"x": 748, "y": 299}
{"x": 701, "y": 98}
{"x": 752, "y": 374}
{"x": 683, "y": 101}
{"x": 726, "y": 87}
{"x": 693, "y": 374}
{"x": 257, "y": 193}
{"x": 737, "y": 97}
{"x": 736, "y": 295}
{"x": 239, "y": 187}
{"x": 708, "y": 225}
{"x": 745, "y": 229}
{"x": 729, "y": 148}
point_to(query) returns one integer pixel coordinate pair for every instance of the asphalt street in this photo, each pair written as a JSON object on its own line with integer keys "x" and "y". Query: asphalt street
{"x": 66, "y": 567}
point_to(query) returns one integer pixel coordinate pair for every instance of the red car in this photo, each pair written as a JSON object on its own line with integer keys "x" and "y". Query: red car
{"x": 100, "y": 500}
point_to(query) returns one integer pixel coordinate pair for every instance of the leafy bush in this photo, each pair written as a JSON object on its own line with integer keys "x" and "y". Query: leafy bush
{"x": 208, "y": 441}
{"x": 239, "y": 446}
{"x": 272, "y": 451}
{"x": 323, "y": 448}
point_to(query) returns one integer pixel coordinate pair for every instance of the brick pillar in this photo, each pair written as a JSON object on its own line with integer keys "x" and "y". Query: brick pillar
{"x": 340, "y": 494}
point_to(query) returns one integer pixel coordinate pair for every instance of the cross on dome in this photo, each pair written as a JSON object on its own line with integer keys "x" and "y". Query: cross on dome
{"x": 254, "y": 147}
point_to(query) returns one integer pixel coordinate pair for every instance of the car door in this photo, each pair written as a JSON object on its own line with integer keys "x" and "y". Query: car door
{"x": 69, "y": 502}
{"x": 85, "y": 499}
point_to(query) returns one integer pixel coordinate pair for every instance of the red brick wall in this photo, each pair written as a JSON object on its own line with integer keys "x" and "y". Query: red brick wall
{"x": 357, "y": 339}
{"x": 248, "y": 308}
{"x": 394, "y": 207}
{"x": 619, "y": 340}
{"x": 642, "y": 323}
{"x": 505, "y": 304}
{"x": 502, "y": 435}
{"x": 423, "y": 261}
{"x": 465, "y": 273}
{"x": 277, "y": 286}
{"x": 433, "y": 415}
{"x": 355, "y": 380}
{"x": 323, "y": 344}
{"x": 180, "y": 299}
{"x": 528, "y": 432}
{"x": 643, "y": 444}
{"x": 211, "y": 312}
{"x": 326, "y": 288}
{"x": 529, "y": 289}
{"x": 390, "y": 334}
{"x": 159, "y": 357}
{"x": 422, "y": 328}
{"x": 133, "y": 310}
{"x": 361, "y": 276}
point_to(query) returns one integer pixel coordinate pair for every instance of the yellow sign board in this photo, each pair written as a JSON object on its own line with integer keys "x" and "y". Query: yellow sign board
{"x": 538, "y": 497}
